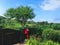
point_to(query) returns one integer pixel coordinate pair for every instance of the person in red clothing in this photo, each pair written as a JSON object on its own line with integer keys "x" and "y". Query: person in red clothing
{"x": 26, "y": 31}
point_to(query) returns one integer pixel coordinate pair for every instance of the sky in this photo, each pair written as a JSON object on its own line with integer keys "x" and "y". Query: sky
{"x": 45, "y": 10}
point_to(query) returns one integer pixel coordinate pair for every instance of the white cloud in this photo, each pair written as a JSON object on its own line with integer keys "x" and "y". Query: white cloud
{"x": 50, "y": 4}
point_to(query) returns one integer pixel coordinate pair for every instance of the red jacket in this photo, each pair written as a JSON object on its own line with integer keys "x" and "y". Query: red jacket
{"x": 26, "y": 31}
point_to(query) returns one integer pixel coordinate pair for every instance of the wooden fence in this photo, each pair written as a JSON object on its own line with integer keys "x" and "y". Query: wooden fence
{"x": 9, "y": 36}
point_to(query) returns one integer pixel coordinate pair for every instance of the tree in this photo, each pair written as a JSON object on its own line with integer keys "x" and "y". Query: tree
{"x": 21, "y": 14}
{"x": 2, "y": 21}
{"x": 24, "y": 13}
{"x": 10, "y": 13}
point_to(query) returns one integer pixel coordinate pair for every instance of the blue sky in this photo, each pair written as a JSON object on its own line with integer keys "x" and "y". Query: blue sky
{"x": 45, "y": 10}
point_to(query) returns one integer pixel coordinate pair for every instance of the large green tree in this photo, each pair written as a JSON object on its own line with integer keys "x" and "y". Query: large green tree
{"x": 21, "y": 14}
{"x": 10, "y": 13}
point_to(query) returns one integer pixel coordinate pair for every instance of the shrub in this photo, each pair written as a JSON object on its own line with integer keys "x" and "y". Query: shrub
{"x": 57, "y": 27}
{"x": 47, "y": 34}
{"x": 32, "y": 41}
{"x": 51, "y": 34}
{"x": 35, "y": 31}
{"x": 56, "y": 36}
{"x": 50, "y": 43}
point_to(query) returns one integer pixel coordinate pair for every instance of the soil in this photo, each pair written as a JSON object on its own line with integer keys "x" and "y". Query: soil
{"x": 19, "y": 44}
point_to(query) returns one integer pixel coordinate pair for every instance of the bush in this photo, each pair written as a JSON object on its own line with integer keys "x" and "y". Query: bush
{"x": 57, "y": 36}
{"x": 50, "y": 43}
{"x": 57, "y": 27}
{"x": 35, "y": 31}
{"x": 47, "y": 34}
{"x": 33, "y": 41}
{"x": 51, "y": 34}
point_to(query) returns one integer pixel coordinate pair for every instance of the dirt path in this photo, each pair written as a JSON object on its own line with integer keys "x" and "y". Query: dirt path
{"x": 24, "y": 43}
{"x": 19, "y": 44}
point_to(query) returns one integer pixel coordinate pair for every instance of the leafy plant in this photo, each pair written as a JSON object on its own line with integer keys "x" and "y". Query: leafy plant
{"x": 50, "y": 34}
{"x": 32, "y": 41}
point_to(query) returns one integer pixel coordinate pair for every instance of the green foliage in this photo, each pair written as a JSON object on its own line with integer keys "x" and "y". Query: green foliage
{"x": 33, "y": 41}
{"x": 21, "y": 14}
{"x": 10, "y": 13}
{"x": 11, "y": 24}
{"x": 35, "y": 31}
{"x": 57, "y": 36}
{"x": 50, "y": 34}
{"x": 47, "y": 34}
{"x": 57, "y": 27}
{"x": 2, "y": 20}
{"x": 50, "y": 43}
